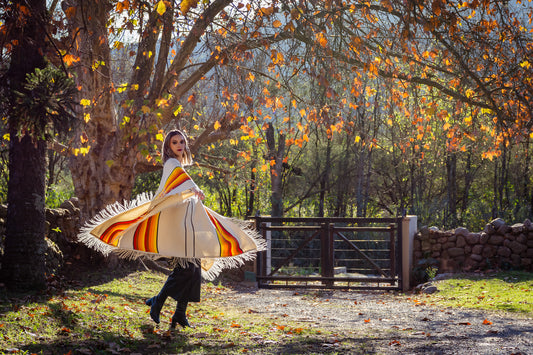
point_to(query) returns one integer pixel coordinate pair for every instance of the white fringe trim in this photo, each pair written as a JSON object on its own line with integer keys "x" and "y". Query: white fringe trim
{"x": 85, "y": 236}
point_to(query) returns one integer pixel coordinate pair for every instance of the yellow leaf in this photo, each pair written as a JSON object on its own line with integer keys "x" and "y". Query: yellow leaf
{"x": 145, "y": 109}
{"x": 162, "y": 102}
{"x": 85, "y": 102}
{"x": 85, "y": 150}
{"x": 178, "y": 110}
{"x": 186, "y": 5}
{"x": 305, "y": 137}
{"x": 217, "y": 125}
{"x": 264, "y": 167}
{"x": 161, "y": 8}
{"x": 277, "y": 23}
{"x": 196, "y": 127}
{"x": 6, "y": 136}
{"x": 159, "y": 137}
{"x": 87, "y": 117}
{"x": 446, "y": 126}
{"x": 122, "y": 88}
{"x": 357, "y": 139}
{"x": 251, "y": 77}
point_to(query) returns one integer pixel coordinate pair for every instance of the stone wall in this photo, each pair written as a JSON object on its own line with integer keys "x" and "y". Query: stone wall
{"x": 61, "y": 231}
{"x": 497, "y": 246}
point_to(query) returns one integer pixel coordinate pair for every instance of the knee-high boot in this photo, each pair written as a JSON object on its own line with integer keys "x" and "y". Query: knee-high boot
{"x": 156, "y": 303}
{"x": 180, "y": 316}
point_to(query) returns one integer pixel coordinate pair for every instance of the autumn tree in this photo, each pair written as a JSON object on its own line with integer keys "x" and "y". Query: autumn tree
{"x": 475, "y": 53}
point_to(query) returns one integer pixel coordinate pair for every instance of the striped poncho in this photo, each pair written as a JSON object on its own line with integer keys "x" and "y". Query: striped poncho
{"x": 173, "y": 223}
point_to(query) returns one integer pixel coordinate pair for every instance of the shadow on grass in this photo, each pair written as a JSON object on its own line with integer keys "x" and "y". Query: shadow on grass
{"x": 176, "y": 342}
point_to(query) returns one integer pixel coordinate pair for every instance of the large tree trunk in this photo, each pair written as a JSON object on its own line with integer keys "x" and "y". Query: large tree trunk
{"x": 106, "y": 173}
{"x": 23, "y": 265}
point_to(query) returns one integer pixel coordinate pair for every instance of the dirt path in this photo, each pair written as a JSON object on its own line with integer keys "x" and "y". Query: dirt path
{"x": 372, "y": 322}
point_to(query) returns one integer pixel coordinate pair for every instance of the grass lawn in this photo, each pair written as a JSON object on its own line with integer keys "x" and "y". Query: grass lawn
{"x": 108, "y": 316}
{"x": 503, "y": 291}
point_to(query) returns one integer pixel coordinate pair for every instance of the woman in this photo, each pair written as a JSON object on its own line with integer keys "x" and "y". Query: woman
{"x": 174, "y": 223}
{"x": 183, "y": 284}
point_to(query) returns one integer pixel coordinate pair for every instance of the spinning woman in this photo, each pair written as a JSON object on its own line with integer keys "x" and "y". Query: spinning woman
{"x": 174, "y": 223}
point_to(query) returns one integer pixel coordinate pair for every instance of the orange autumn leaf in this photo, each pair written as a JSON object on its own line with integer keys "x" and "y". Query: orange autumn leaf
{"x": 321, "y": 39}
{"x": 123, "y": 5}
{"x": 69, "y": 59}
{"x": 487, "y": 322}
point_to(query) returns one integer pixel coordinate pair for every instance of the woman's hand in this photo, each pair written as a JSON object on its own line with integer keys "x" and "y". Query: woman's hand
{"x": 199, "y": 194}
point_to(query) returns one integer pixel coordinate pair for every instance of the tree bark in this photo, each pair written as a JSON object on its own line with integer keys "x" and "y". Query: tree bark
{"x": 23, "y": 264}
{"x": 106, "y": 173}
{"x": 276, "y": 155}
{"x": 451, "y": 170}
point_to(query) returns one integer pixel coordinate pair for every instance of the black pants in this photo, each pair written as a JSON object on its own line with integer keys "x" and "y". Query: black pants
{"x": 183, "y": 284}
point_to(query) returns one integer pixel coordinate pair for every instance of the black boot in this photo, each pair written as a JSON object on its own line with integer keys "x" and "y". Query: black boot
{"x": 155, "y": 303}
{"x": 180, "y": 316}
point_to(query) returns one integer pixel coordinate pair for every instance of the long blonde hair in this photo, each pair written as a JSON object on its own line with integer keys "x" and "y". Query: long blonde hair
{"x": 186, "y": 157}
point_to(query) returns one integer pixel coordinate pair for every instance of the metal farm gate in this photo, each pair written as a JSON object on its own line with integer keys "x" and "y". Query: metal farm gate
{"x": 330, "y": 253}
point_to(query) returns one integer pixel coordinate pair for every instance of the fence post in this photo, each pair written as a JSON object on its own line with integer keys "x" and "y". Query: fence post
{"x": 327, "y": 252}
{"x": 409, "y": 226}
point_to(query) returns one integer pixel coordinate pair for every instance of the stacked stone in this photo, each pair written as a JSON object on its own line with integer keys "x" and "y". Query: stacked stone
{"x": 497, "y": 246}
{"x": 61, "y": 230}
{"x": 62, "y": 222}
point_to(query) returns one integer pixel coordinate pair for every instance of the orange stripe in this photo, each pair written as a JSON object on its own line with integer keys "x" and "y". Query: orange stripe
{"x": 177, "y": 182}
{"x": 152, "y": 233}
{"x": 177, "y": 177}
{"x": 138, "y": 240}
{"x": 111, "y": 234}
{"x": 229, "y": 246}
{"x": 145, "y": 237}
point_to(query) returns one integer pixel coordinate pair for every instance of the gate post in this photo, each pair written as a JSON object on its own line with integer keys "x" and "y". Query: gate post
{"x": 409, "y": 226}
{"x": 327, "y": 252}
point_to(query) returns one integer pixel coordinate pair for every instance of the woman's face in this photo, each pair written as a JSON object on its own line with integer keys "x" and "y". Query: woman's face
{"x": 177, "y": 145}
